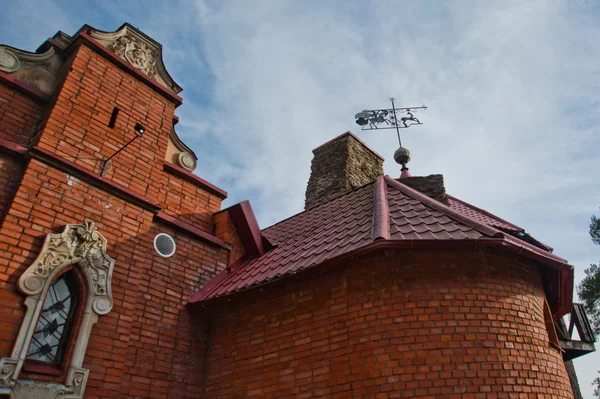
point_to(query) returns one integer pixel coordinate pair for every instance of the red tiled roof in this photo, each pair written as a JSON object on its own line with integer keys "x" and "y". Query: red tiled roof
{"x": 385, "y": 209}
{"x": 410, "y": 219}
{"x": 309, "y": 238}
{"x": 480, "y": 215}
{"x": 489, "y": 219}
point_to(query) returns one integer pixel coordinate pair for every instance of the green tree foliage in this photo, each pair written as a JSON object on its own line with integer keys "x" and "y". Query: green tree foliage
{"x": 595, "y": 230}
{"x": 589, "y": 292}
{"x": 589, "y": 288}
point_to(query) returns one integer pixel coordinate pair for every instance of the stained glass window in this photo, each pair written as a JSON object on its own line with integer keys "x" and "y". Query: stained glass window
{"x": 51, "y": 333}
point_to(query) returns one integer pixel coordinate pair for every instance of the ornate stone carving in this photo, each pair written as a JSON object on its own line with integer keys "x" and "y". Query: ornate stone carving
{"x": 80, "y": 245}
{"x": 76, "y": 381}
{"x": 8, "y": 61}
{"x": 138, "y": 53}
{"x": 139, "y": 50}
{"x": 8, "y": 368}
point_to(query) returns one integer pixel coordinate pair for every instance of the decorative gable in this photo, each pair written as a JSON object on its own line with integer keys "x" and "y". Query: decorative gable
{"x": 139, "y": 50}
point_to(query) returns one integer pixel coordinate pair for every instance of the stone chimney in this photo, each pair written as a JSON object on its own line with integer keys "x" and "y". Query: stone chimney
{"x": 432, "y": 186}
{"x": 341, "y": 165}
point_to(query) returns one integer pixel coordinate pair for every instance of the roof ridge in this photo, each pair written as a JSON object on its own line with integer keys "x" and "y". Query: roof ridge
{"x": 430, "y": 202}
{"x": 381, "y": 211}
{"x": 484, "y": 212}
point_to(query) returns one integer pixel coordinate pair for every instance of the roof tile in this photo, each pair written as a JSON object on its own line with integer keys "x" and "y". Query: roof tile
{"x": 342, "y": 225}
{"x": 352, "y": 221}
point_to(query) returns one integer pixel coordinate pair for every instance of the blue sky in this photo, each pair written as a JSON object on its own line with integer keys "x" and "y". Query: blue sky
{"x": 511, "y": 86}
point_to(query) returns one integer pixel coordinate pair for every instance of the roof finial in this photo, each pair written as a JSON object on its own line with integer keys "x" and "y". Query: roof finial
{"x": 388, "y": 119}
{"x": 402, "y": 157}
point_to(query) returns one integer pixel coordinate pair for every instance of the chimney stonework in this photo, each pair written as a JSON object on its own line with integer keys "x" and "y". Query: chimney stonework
{"x": 432, "y": 186}
{"x": 339, "y": 166}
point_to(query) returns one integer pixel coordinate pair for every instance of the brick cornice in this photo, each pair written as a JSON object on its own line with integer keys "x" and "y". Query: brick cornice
{"x": 12, "y": 148}
{"x": 93, "y": 178}
{"x": 189, "y": 176}
{"x": 191, "y": 230}
{"x": 62, "y": 164}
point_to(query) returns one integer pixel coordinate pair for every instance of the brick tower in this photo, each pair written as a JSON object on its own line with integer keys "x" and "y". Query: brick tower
{"x": 64, "y": 111}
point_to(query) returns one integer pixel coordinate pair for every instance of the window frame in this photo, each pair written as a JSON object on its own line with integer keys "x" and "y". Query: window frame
{"x": 79, "y": 246}
{"x": 69, "y": 331}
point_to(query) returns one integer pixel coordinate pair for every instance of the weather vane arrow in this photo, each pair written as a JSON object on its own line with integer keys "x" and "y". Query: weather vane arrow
{"x": 394, "y": 118}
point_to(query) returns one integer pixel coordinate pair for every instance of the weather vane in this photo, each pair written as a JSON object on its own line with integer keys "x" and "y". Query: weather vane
{"x": 394, "y": 118}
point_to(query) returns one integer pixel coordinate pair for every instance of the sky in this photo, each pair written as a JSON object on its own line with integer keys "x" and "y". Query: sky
{"x": 512, "y": 89}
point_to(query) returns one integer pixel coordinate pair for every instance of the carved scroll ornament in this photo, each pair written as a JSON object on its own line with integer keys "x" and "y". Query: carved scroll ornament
{"x": 9, "y": 62}
{"x": 80, "y": 245}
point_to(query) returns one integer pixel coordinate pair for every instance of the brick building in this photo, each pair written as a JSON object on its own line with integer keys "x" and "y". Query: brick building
{"x": 120, "y": 275}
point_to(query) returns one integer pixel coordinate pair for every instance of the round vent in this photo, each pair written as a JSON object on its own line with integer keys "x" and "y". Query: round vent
{"x": 164, "y": 245}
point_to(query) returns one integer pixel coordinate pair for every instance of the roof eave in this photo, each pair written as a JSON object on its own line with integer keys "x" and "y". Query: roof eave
{"x": 566, "y": 271}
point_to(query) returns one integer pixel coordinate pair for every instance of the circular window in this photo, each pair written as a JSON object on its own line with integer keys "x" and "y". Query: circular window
{"x": 164, "y": 245}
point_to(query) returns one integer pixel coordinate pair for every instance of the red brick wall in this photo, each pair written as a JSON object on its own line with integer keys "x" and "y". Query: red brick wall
{"x": 148, "y": 345}
{"x": 11, "y": 171}
{"x": 190, "y": 203}
{"x": 18, "y": 115}
{"x": 77, "y": 126}
{"x": 226, "y": 231}
{"x": 417, "y": 325}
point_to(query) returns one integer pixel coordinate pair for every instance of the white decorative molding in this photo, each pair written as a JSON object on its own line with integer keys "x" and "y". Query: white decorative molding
{"x": 180, "y": 154}
{"x": 39, "y": 70}
{"x": 9, "y": 62}
{"x": 80, "y": 245}
{"x": 186, "y": 161}
{"x": 33, "y": 57}
{"x": 8, "y": 369}
{"x": 12, "y": 58}
{"x": 139, "y": 50}
{"x": 75, "y": 386}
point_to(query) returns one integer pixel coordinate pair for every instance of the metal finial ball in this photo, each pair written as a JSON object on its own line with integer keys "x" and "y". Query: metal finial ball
{"x": 402, "y": 156}
{"x": 392, "y": 99}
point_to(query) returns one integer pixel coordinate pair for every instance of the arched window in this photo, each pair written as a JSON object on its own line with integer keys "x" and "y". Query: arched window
{"x": 51, "y": 287}
{"x": 56, "y": 321}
